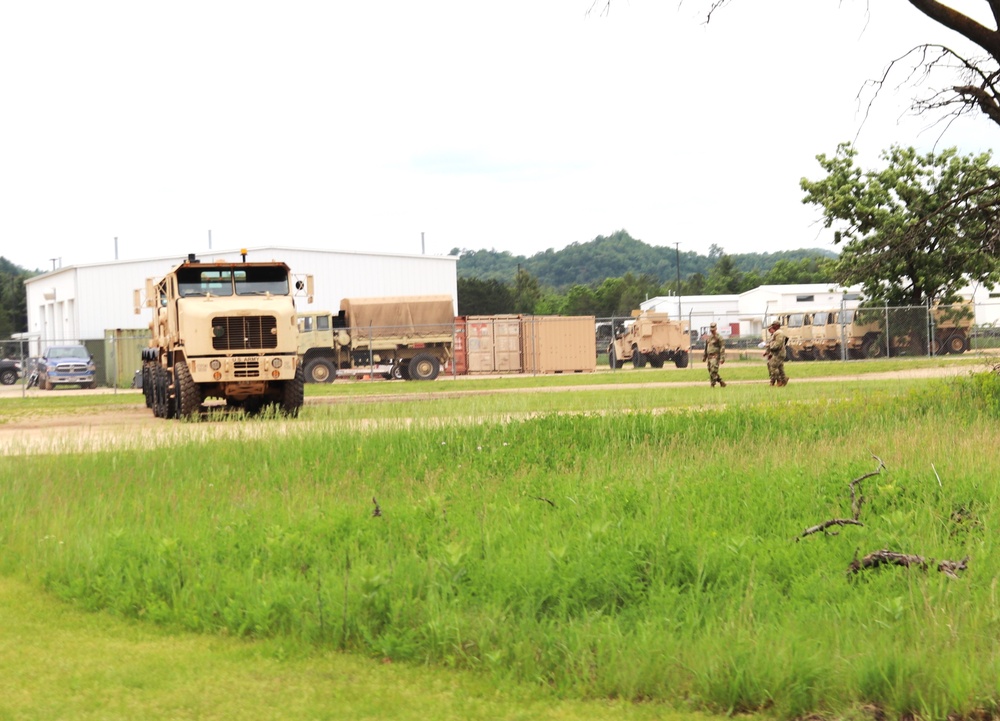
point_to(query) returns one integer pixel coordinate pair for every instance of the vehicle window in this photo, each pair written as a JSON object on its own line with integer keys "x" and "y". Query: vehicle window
{"x": 68, "y": 352}
{"x": 261, "y": 281}
{"x": 323, "y": 322}
{"x": 795, "y": 320}
{"x": 193, "y": 282}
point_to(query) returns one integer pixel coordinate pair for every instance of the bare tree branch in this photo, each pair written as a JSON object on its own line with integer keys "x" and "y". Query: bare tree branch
{"x": 885, "y": 557}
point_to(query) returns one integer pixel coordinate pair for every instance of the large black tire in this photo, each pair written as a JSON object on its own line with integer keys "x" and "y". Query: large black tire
{"x": 872, "y": 347}
{"x": 612, "y": 359}
{"x": 656, "y": 361}
{"x": 159, "y": 389}
{"x": 8, "y": 376}
{"x": 163, "y": 405}
{"x": 293, "y": 394}
{"x": 424, "y": 367}
{"x": 682, "y": 359}
{"x": 956, "y": 343}
{"x": 147, "y": 385}
{"x": 399, "y": 372}
{"x": 320, "y": 370}
{"x": 638, "y": 359}
{"x": 188, "y": 392}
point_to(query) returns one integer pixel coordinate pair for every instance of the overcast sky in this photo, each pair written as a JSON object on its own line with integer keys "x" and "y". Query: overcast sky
{"x": 516, "y": 125}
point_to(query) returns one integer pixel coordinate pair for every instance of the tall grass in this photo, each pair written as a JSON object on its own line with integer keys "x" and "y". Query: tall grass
{"x": 638, "y": 555}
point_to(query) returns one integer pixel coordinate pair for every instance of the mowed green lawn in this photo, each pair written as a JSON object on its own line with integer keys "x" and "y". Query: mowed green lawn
{"x": 627, "y": 552}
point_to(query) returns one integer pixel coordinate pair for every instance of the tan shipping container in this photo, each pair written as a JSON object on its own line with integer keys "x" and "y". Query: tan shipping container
{"x": 558, "y": 344}
{"x": 493, "y": 343}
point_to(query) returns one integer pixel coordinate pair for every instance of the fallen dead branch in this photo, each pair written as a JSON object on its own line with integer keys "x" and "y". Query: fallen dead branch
{"x": 886, "y": 557}
{"x": 832, "y": 522}
{"x": 857, "y": 500}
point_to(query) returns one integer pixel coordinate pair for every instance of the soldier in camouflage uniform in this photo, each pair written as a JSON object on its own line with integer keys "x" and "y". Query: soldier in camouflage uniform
{"x": 775, "y": 354}
{"x": 715, "y": 355}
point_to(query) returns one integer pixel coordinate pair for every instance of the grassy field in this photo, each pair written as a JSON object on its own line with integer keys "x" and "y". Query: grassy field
{"x": 631, "y": 544}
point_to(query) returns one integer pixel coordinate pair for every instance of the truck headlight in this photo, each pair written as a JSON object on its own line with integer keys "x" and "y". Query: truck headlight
{"x": 276, "y": 362}
{"x": 215, "y": 364}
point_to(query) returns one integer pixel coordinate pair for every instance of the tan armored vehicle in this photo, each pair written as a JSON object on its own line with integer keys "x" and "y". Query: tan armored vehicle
{"x": 222, "y": 330}
{"x": 404, "y": 337}
{"x": 651, "y": 338}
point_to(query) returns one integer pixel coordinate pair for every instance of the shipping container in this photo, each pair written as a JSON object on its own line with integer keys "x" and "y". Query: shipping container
{"x": 493, "y": 343}
{"x": 558, "y": 344}
{"x": 459, "y": 364}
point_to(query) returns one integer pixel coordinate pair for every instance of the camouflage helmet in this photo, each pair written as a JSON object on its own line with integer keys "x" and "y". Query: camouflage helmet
{"x": 712, "y": 326}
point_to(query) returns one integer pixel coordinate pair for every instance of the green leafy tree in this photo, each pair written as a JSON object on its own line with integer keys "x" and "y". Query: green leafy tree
{"x": 918, "y": 229}
{"x": 484, "y": 297}
{"x": 579, "y": 300}
{"x": 13, "y": 299}
{"x": 527, "y": 292}
{"x": 724, "y": 278}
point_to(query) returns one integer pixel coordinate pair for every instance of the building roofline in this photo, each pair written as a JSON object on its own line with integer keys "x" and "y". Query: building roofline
{"x": 174, "y": 260}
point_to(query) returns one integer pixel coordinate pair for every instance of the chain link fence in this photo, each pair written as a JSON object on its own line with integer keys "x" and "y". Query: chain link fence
{"x": 541, "y": 343}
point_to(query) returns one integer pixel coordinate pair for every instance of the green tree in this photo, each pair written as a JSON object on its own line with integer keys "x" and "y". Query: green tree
{"x": 917, "y": 230}
{"x": 527, "y": 292}
{"x": 13, "y": 300}
{"x": 579, "y": 300}
{"x": 724, "y": 278}
{"x": 483, "y": 297}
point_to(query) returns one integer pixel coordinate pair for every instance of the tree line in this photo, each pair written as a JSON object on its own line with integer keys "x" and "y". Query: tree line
{"x": 525, "y": 292}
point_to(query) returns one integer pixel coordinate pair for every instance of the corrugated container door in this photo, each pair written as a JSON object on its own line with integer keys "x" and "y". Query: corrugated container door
{"x": 459, "y": 348}
{"x": 479, "y": 344}
{"x": 557, "y": 344}
{"x": 507, "y": 344}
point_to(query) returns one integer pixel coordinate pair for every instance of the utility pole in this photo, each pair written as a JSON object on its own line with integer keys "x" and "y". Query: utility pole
{"x": 677, "y": 248}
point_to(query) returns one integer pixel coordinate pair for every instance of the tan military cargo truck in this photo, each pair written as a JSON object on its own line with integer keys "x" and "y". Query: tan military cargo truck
{"x": 222, "y": 330}
{"x": 403, "y": 337}
{"x": 830, "y": 331}
{"x": 797, "y": 328}
{"x": 651, "y": 338}
{"x": 864, "y": 331}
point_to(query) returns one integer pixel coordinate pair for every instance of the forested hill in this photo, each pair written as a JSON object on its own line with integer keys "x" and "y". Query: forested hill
{"x": 613, "y": 256}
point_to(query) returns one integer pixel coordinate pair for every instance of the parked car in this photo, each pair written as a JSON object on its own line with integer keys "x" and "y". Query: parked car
{"x": 10, "y": 371}
{"x": 66, "y": 365}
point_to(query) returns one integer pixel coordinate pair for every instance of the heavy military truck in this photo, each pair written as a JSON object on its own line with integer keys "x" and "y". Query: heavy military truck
{"x": 651, "y": 338}
{"x": 798, "y": 329}
{"x": 863, "y": 331}
{"x": 396, "y": 337}
{"x": 222, "y": 330}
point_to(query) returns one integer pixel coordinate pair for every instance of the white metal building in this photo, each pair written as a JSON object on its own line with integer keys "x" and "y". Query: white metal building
{"x": 81, "y": 302}
{"x": 700, "y": 311}
{"x": 759, "y": 304}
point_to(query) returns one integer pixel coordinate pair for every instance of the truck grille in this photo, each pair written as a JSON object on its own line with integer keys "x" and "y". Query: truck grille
{"x": 246, "y": 369}
{"x": 244, "y": 332}
{"x": 71, "y": 368}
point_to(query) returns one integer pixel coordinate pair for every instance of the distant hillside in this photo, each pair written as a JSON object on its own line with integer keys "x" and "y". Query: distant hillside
{"x": 611, "y": 257}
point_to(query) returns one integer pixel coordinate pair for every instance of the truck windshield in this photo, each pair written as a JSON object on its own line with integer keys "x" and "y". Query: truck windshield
{"x": 202, "y": 281}
{"x": 261, "y": 281}
{"x": 272, "y": 280}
